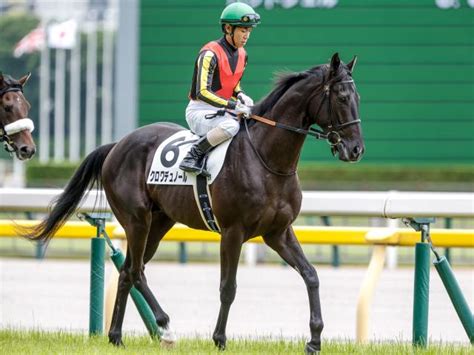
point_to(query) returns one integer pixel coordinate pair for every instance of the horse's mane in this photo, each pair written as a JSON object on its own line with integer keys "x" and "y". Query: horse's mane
{"x": 283, "y": 82}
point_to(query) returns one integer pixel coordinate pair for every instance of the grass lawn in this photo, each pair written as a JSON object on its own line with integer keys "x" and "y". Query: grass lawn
{"x": 38, "y": 342}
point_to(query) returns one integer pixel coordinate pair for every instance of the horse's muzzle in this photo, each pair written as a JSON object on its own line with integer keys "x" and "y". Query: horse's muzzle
{"x": 349, "y": 155}
{"x": 25, "y": 152}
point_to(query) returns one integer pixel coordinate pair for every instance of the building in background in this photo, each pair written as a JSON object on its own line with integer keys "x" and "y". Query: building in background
{"x": 415, "y": 69}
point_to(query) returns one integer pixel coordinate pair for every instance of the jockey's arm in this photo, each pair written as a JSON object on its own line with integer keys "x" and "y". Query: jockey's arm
{"x": 237, "y": 90}
{"x": 207, "y": 63}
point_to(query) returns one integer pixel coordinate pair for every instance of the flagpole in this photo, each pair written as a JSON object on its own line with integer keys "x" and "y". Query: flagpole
{"x": 75, "y": 99}
{"x": 107, "y": 70}
{"x": 59, "y": 88}
{"x": 91, "y": 86}
{"x": 44, "y": 104}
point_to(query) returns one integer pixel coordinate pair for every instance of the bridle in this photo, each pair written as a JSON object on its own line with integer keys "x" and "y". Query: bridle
{"x": 332, "y": 136}
{"x": 15, "y": 127}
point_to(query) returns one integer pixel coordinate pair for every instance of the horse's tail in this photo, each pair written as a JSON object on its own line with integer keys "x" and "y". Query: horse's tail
{"x": 63, "y": 206}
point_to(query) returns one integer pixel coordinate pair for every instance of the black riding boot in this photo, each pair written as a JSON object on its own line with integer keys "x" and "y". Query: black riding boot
{"x": 193, "y": 161}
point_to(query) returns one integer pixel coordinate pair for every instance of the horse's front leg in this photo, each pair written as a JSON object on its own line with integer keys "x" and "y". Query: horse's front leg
{"x": 231, "y": 245}
{"x": 288, "y": 247}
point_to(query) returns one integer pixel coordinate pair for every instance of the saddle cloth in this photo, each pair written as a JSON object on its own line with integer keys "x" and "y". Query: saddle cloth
{"x": 165, "y": 166}
{"x": 165, "y": 171}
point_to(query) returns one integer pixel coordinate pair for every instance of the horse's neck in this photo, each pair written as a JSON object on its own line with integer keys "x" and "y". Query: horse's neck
{"x": 280, "y": 148}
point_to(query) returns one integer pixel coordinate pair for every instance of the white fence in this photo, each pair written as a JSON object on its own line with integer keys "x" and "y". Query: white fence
{"x": 391, "y": 204}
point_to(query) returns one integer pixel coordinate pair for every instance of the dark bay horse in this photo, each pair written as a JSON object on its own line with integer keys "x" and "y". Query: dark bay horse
{"x": 256, "y": 193}
{"x": 15, "y": 126}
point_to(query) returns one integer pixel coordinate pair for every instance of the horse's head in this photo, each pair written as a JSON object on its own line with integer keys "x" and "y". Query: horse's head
{"x": 15, "y": 126}
{"x": 337, "y": 111}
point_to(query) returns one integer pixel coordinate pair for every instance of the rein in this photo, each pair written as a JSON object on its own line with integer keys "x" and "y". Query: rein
{"x": 316, "y": 133}
{"x": 256, "y": 151}
{"x": 332, "y": 136}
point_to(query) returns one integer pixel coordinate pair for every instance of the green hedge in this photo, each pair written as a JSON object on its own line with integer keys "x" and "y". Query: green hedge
{"x": 386, "y": 177}
{"x": 372, "y": 172}
{"x": 53, "y": 175}
{"x": 319, "y": 176}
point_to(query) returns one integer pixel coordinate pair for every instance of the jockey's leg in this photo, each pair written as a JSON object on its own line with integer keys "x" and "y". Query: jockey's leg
{"x": 192, "y": 162}
{"x": 224, "y": 128}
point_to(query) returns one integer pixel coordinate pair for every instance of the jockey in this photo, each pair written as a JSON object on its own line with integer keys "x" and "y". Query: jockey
{"x": 216, "y": 96}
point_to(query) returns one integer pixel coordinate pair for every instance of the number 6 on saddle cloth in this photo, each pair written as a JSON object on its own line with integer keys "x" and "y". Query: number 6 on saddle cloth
{"x": 165, "y": 171}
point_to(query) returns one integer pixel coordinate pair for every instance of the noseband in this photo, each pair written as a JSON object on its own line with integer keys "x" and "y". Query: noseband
{"x": 15, "y": 127}
{"x": 332, "y": 136}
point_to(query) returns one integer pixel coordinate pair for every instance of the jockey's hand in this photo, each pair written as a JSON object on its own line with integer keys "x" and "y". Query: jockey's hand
{"x": 246, "y": 100}
{"x": 241, "y": 109}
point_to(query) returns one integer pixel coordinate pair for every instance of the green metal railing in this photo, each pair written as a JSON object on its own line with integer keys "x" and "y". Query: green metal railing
{"x": 422, "y": 283}
{"x": 96, "y": 309}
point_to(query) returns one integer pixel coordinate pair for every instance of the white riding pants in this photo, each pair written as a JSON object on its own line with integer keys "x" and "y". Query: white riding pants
{"x": 196, "y": 112}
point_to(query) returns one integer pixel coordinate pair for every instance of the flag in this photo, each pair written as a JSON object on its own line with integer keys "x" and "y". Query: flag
{"x": 33, "y": 41}
{"x": 62, "y": 35}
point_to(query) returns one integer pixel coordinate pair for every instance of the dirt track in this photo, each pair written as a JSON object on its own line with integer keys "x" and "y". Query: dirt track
{"x": 271, "y": 300}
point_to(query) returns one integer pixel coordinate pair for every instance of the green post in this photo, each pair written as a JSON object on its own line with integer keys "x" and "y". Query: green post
{"x": 335, "y": 256}
{"x": 448, "y": 224}
{"x": 421, "y": 294}
{"x": 335, "y": 259}
{"x": 456, "y": 296}
{"x": 40, "y": 250}
{"x": 142, "y": 306}
{"x": 96, "y": 309}
{"x": 183, "y": 255}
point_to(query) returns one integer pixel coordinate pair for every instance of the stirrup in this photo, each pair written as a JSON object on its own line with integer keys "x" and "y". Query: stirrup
{"x": 198, "y": 170}
{"x": 203, "y": 171}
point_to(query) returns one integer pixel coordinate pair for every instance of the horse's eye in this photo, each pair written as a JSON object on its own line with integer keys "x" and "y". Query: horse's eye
{"x": 342, "y": 98}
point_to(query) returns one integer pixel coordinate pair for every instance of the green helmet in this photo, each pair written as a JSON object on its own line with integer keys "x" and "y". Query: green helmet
{"x": 240, "y": 14}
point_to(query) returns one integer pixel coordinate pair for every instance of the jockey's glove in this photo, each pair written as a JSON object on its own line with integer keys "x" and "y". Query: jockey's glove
{"x": 246, "y": 100}
{"x": 241, "y": 109}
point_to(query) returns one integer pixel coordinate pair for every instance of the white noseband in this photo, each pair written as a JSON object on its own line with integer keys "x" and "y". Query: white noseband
{"x": 19, "y": 125}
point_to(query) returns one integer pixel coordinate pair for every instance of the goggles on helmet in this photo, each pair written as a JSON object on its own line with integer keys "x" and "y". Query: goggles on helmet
{"x": 250, "y": 19}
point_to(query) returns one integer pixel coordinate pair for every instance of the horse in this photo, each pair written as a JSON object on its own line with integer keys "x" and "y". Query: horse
{"x": 15, "y": 127}
{"x": 256, "y": 193}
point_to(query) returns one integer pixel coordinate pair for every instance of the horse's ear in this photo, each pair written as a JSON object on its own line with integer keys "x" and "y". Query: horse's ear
{"x": 352, "y": 64}
{"x": 335, "y": 62}
{"x": 1, "y": 78}
{"x": 24, "y": 79}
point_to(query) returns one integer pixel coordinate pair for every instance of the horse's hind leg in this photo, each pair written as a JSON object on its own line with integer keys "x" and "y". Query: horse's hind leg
{"x": 288, "y": 247}
{"x": 137, "y": 227}
{"x": 160, "y": 225}
{"x": 123, "y": 289}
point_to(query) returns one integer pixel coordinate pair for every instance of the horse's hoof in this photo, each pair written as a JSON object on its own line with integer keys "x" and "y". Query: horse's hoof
{"x": 116, "y": 340}
{"x": 310, "y": 349}
{"x": 219, "y": 342}
{"x": 220, "y": 346}
{"x": 168, "y": 338}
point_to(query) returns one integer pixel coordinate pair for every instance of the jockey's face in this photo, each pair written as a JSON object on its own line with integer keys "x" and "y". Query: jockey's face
{"x": 241, "y": 35}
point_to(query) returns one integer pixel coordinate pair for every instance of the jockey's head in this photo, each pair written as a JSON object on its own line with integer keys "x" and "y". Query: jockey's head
{"x": 237, "y": 21}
